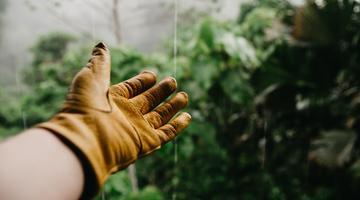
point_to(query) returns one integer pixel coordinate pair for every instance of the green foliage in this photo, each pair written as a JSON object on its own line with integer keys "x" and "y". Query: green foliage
{"x": 51, "y": 48}
{"x": 118, "y": 187}
{"x": 274, "y": 116}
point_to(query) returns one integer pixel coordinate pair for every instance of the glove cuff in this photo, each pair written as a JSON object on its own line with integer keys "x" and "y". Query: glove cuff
{"x": 79, "y": 138}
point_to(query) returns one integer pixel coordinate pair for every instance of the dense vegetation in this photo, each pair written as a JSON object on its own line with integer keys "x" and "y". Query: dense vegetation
{"x": 275, "y": 101}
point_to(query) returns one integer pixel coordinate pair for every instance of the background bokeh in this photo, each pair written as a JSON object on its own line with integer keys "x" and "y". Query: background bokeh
{"x": 273, "y": 84}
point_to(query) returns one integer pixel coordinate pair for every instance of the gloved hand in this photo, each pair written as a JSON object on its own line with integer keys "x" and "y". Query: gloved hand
{"x": 110, "y": 127}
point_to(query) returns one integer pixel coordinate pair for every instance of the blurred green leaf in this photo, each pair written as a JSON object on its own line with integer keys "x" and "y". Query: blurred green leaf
{"x": 236, "y": 86}
{"x": 207, "y": 34}
{"x": 334, "y": 148}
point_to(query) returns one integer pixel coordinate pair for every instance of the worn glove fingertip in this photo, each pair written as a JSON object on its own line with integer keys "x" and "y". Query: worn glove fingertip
{"x": 185, "y": 98}
{"x": 183, "y": 121}
{"x": 101, "y": 45}
{"x": 169, "y": 83}
{"x": 148, "y": 77}
{"x": 148, "y": 72}
{"x": 186, "y": 116}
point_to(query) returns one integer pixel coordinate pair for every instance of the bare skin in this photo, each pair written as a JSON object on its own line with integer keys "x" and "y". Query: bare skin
{"x": 37, "y": 165}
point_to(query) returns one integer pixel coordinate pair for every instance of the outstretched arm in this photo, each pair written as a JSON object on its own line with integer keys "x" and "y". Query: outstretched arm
{"x": 100, "y": 130}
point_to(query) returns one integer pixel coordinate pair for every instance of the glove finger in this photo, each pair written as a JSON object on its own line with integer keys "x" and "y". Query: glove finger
{"x": 135, "y": 85}
{"x": 149, "y": 99}
{"x": 100, "y": 63}
{"x": 167, "y": 110}
{"x": 170, "y": 130}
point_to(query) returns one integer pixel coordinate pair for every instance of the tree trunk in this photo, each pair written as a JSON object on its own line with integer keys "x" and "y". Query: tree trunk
{"x": 116, "y": 20}
{"x": 133, "y": 178}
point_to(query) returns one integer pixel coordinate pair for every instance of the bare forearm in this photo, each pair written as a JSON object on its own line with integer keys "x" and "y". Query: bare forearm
{"x": 37, "y": 165}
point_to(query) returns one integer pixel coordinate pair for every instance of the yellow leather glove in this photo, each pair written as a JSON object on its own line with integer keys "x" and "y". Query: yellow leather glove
{"x": 110, "y": 127}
